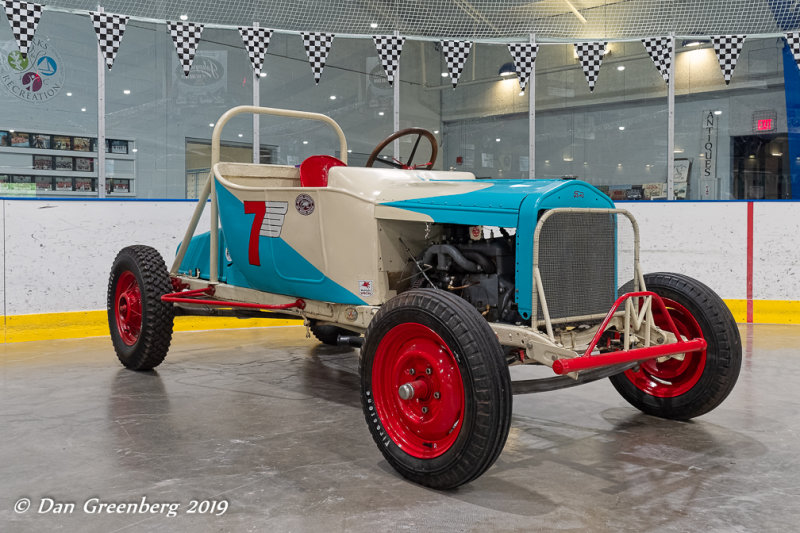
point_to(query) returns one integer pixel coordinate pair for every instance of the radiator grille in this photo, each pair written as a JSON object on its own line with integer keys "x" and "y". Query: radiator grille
{"x": 584, "y": 258}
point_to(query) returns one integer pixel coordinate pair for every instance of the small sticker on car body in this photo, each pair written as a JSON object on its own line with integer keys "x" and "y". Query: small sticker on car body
{"x": 365, "y": 287}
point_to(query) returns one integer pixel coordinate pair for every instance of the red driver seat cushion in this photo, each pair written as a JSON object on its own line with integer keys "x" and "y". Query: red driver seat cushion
{"x": 314, "y": 170}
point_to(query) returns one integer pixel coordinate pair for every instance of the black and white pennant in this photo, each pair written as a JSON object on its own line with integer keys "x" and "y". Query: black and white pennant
{"x": 317, "y": 47}
{"x": 524, "y": 55}
{"x": 591, "y": 57}
{"x": 660, "y": 50}
{"x": 793, "y": 39}
{"x": 456, "y": 53}
{"x": 109, "y": 29}
{"x": 23, "y": 17}
{"x": 728, "y": 48}
{"x": 186, "y": 36}
{"x": 389, "y": 48}
{"x": 256, "y": 41}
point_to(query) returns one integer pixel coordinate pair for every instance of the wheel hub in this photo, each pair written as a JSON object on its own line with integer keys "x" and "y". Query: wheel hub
{"x": 418, "y": 390}
{"x": 675, "y": 375}
{"x": 128, "y": 308}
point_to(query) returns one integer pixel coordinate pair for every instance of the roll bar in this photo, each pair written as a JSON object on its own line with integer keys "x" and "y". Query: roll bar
{"x": 209, "y": 190}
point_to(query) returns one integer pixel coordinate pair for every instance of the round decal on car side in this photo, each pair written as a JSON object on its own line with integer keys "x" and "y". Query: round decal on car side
{"x": 304, "y": 204}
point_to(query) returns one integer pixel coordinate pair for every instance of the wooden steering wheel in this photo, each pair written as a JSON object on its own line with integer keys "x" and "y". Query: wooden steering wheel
{"x": 420, "y": 133}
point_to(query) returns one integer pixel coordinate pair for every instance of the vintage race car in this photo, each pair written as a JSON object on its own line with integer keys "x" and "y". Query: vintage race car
{"x": 444, "y": 281}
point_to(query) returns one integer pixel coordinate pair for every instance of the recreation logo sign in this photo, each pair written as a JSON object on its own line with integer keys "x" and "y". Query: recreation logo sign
{"x": 35, "y": 78}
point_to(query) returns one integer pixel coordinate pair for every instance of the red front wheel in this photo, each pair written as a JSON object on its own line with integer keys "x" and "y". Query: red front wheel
{"x": 694, "y": 384}
{"x": 435, "y": 388}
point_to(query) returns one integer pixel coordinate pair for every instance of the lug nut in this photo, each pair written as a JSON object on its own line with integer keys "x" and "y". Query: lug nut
{"x": 424, "y": 410}
{"x": 411, "y": 371}
{"x": 436, "y": 395}
{"x": 429, "y": 371}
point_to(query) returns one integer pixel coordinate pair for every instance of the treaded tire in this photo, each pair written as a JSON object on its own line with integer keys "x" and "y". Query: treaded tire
{"x": 140, "y": 323}
{"x": 328, "y": 334}
{"x": 402, "y": 333}
{"x": 684, "y": 390}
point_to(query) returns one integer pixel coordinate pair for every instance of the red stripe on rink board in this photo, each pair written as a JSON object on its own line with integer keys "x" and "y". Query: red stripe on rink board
{"x": 749, "y": 262}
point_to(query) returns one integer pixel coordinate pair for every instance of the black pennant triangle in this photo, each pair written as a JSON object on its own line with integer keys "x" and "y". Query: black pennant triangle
{"x": 109, "y": 29}
{"x": 456, "y": 53}
{"x": 389, "y": 48}
{"x": 728, "y": 48}
{"x": 793, "y": 39}
{"x": 24, "y": 18}
{"x": 186, "y": 36}
{"x": 256, "y": 41}
{"x": 524, "y": 55}
{"x": 591, "y": 57}
{"x": 660, "y": 50}
{"x": 318, "y": 45}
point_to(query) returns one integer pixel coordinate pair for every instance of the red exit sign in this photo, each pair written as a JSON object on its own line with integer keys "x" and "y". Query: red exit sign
{"x": 765, "y": 124}
{"x": 765, "y": 121}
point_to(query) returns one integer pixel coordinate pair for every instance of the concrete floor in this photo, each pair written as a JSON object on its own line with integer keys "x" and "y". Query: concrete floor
{"x": 271, "y": 423}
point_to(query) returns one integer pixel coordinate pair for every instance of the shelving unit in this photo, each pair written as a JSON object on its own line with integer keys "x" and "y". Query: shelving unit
{"x": 39, "y": 163}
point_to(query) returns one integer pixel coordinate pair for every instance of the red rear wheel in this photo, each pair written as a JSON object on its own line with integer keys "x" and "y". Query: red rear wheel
{"x": 128, "y": 308}
{"x": 426, "y": 422}
{"x": 139, "y": 322}
{"x": 674, "y": 376}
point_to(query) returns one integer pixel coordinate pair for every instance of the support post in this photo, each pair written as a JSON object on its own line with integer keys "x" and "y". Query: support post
{"x": 256, "y": 116}
{"x": 671, "y": 123}
{"x": 396, "y": 110}
{"x": 101, "y": 120}
{"x": 532, "y": 120}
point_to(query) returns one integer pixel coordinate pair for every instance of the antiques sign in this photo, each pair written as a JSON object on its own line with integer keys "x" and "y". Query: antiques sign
{"x": 708, "y": 148}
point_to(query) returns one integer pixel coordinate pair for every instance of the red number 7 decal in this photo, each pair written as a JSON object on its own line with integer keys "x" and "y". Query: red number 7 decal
{"x": 258, "y": 209}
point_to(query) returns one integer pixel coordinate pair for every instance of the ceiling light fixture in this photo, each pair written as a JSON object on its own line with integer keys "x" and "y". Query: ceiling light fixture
{"x": 621, "y": 68}
{"x": 507, "y": 69}
{"x": 184, "y": 17}
{"x": 126, "y": 91}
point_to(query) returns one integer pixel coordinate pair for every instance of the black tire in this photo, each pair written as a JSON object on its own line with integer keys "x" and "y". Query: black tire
{"x": 468, "y": 394}
{"x": 328, "y": 334}
{"x": 138, "y": 279}
{"x": 686, "y": 389}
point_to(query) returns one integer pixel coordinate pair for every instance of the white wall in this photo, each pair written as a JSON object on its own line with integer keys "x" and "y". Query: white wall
{"x": 58, "y": 254}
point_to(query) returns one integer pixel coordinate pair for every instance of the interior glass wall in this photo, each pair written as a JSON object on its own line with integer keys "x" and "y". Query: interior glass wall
{"x": 486, "y": 117}
{"x": 614, "y": 137}
{"x": 48, "y": 124}
{"x": 731, "y": 140}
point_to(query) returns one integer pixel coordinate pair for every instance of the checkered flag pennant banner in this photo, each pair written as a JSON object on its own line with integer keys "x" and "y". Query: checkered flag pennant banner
{"x": 456, "y": 53}
{"x": 186, "y": 36}
{"x": 109, "y": 29}
{"x": 524, "y": 55}
{"x": 23, "y": 17}
{"x": 256, "y": 41}
{"x": 591, "y": 57}
{"x": 389, "y": 48}
{"x": 793, "y": 39}
{"x": 727, "y": 48}
{"x": 660, "y": 50}
{"x": 317, "y": 47}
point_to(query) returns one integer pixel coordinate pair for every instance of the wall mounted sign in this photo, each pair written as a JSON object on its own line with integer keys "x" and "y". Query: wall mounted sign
{"x": 765, "y": 121}
{"x": 35, "y": 78}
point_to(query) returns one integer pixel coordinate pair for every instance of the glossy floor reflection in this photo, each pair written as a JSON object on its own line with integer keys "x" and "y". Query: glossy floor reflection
{"x": 271, "y": 423}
